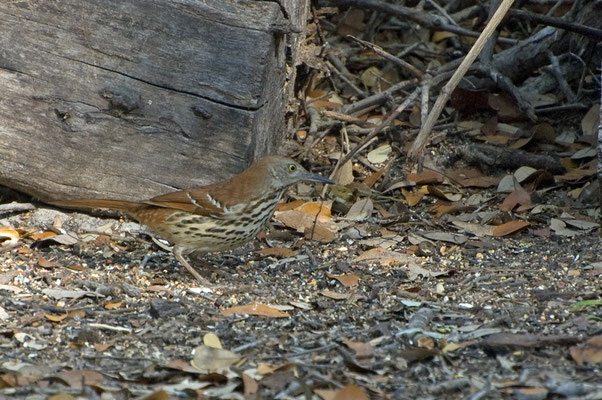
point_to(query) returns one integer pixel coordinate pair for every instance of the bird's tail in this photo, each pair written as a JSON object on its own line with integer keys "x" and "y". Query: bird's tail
{"x": 122, "y": 205}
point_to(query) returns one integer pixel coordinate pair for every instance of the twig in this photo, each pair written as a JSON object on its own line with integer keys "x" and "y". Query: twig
{"x": 408, "y": 101}
{"x": 557, "y": 73}
{"x": 587, "y": 31}
{"x": 342, "y": 76}
{"x": 14, "y": 206}
{"x": 426, "y": 129}
{"x": 379, "y": 50}
{"x": 418, "y": 16}
{"x": 379, "y": 98}
{"x": 110, "y": 327}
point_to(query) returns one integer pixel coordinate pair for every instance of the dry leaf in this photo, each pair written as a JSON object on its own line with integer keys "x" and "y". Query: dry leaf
{"x": 344, "y": 174}
{"x": 290, "y": 205}
{"x": 41, "y": 235}
{"x": 518, "y": 196}
{"x": 360, "y": 210}
{"x": 412, "y": 197}
{"x": 374, "y": 177}
{"x": 249, "y": 384}
{"x": 101, "y": 347}
{"x": 70, "y": 314}
{"x": 60, "y": 396}
{"x": 112, "y": 305}
{"x": 211, "y": 340}
{"x": 325, "y": 394}
{"x": 319, "y": 233}
{"x": 352, "y": 23}
{"x": 325, "y": 103}
{"x": 559, "y": 228}
{"x": 264, "y": 369}
{"x": 434, "y": 191}
{"x": 75, "y": 378}
{"x": 591, "y": 120}
{"x": 9, "y": 234}
{"x": 304, "y": 216}
{"x": 442, "y": 208}
{"x": 370, "y": 76}
{"x": 281, "y": 252}
{"x": 363, "y": 351}
{"x": 508, "y": 184}
{"x": 334, "y": 295}
{"x": 476, "y": 229}
{"x": 385, "y": 257}
{"x": 351, "y": 392}
{"x": 379, "y": 154}
{"x": 426, "y": 177}
{"x": 210, "y": 359}
{"x": 509, "y": 227}
{"x": 346, "y": 279}
{"x": 590, "y": 353}
{"x": 44, "y": 263}
{"x": 255, "y": 309}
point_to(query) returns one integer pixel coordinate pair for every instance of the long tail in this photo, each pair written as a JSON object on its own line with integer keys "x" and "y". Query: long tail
{"x": 127, "y": 206}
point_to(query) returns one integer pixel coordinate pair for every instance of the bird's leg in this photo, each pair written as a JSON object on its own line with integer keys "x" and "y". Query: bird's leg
{"x": 179, "y": 253}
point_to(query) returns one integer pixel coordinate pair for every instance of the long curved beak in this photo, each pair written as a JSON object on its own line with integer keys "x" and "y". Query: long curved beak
{"x": 319, "y": 179}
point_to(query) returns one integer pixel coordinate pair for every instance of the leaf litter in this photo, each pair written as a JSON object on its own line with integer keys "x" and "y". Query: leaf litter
{"x": 476, "y": 274}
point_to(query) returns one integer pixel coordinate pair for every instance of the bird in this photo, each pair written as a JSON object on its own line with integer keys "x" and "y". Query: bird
{"x": 217, "y": 217}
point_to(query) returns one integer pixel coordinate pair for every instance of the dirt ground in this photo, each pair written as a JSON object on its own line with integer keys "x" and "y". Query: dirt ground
{"x": 477, "y": 276}
{"x": 497, "y": 319}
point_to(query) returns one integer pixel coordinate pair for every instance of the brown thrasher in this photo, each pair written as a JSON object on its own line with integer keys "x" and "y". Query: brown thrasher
{"x": 216, "y": 217}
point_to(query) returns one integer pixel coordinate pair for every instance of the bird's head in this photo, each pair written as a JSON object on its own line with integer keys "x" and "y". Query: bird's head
{"x": 286, "y": 172}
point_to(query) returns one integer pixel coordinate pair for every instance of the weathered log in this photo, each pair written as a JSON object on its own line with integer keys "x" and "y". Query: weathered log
{"x": 130, "y": 99}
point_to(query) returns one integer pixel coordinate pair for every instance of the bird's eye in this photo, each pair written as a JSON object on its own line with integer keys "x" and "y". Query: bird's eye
{"x": 292, "y": 168}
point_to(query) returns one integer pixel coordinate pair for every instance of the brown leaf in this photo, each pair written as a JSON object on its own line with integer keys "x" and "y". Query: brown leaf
{"x": 374, "y": 177}
{"x": 590, "y": 353}
{"x": 346, "y": 279}
{"x": 363, "y": 351}
{"x": 255, "y": 309}
{"x": 70, "y": 314}
{"x": 158, "y": 395}
{"x": 44, "y": 263}
{"x": 319, "y": 233}
{"x": 75, "y": 378}
{"x": 281, "y": 252}
{"x": 264, "y": 369}
{"x": 304, "y": 216}
{"x": 517, "y": 196}
{"x": 412, "y": 197}
{"x": 325, "y": 103}
{"x": 384, "y": 257}
{"x": 442, "y": 208}
{"x": 9, "y": 234}
{"x": 101, "y": 347}
{"x": 352, "y": 23}
{"x": 112, "y": 305}
{"x": 351, "y": 392}
{"x": 182, "y": 365}
{"x": 426, "y": 177}
{"x": 325, "y": 394}
{"x": 61, "y": 396}
{"x": 41, "y": 235}
{"x": 344, "y": 174}
{"x": 334, "y": 295}
{"x": 290, "y": 205}
{"x": 249, "y": 384}
{"x": 509, "y": 227}
{"x": 506, "y": 107}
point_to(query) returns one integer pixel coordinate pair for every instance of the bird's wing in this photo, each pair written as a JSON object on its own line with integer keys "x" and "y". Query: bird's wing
{"x": 196, "y": 201}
